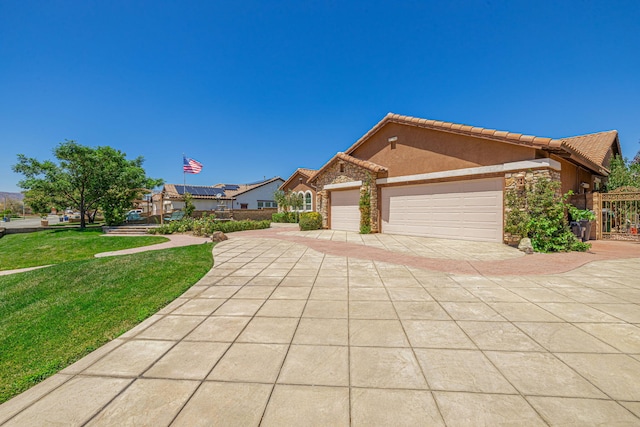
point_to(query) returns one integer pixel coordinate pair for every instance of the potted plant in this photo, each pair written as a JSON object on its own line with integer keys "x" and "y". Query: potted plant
{"x": 583, "y": 218}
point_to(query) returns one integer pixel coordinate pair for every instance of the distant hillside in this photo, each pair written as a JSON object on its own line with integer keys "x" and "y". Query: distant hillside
{"x": 17, "y": 196}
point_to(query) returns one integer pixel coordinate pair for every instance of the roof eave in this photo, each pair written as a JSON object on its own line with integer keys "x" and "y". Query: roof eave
{"x": 257, "y": 186}
{"x": 336, "y": 157}
{"x": 297, "y": 172}
{"x": 459, "y": 129}
{"x": 582, "y": 160}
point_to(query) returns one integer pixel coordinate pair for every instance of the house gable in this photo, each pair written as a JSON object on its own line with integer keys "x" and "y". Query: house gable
{"x": 299, "y": 181}
{"x": 408, "y": 150}
{"x": 261, "y": 192}
{"x": 595, "y": 150}
{"x": 456, "y": 144}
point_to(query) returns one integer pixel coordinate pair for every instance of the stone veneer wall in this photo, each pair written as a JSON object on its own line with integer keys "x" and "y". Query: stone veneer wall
{"x": 332, "y": 175}
{"x": 519, "y": 182}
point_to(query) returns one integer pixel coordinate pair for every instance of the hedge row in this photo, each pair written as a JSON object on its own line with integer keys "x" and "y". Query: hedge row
{"x": 206, "y": 225}
{"x": 289, "y": 217}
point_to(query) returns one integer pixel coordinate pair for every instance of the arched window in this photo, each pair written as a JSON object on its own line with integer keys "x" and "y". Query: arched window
{"x": 308, "y": 206}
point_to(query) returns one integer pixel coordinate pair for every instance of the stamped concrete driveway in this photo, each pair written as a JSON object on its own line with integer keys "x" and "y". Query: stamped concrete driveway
{"x": 278, "y": 333}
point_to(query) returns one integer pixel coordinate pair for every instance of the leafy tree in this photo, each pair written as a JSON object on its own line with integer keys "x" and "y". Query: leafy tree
{"x": 189, "y": 207}
{"x": 281, "y": 199}
{"x": 289, "y": 201}
{"x": 12, "y": 206}
{"x": 86, "y": 179}
{"x": 296, "y": 201}
{"x": 623, "y": 173}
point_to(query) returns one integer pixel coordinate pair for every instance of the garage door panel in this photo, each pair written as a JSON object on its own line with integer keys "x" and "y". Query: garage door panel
{"x": 345, "y": 210}
{"x": 469, "y": 210}
{"x": 479, "y": 202}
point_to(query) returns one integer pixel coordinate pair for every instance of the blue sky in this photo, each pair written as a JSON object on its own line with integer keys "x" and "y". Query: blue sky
{"x": 254, "y": 89}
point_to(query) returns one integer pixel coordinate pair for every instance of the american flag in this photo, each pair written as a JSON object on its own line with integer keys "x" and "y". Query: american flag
{"x": 191, "y": 166}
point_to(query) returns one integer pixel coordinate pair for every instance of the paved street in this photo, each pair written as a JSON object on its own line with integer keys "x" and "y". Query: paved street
{"x": 27, "y": 222}
{"x": 282, "y": 333}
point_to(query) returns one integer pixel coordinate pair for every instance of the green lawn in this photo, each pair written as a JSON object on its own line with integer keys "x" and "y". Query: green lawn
{"x": 52, "y": 317}
{"x": 58, "y": 246}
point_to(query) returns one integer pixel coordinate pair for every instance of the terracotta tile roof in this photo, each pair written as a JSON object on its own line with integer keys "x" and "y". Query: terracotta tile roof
{"x": 594, "y": 146}
{"x": 362, "y": 163}
{"x": 493, "y": 134}
{"x": 373, "y": 167}
{"x": 591, "y": 148}
{"x": 308, "y": 173}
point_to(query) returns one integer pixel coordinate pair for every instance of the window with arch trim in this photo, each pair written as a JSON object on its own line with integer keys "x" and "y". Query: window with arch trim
{"x": 300, "y": 208}
{"x": 308, "y": 206}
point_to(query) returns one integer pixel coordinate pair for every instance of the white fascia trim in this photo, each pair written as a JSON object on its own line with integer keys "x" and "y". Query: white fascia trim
{"x": 350, "y": 184}
{"x": 503, "y": 168}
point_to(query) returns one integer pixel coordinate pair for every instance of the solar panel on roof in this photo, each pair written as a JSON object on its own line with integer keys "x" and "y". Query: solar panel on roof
{"x": 231, "y": 187}
{"x": 197, "y": 190}
{"x": 210, "y": 191}
{"x": 181, "y": 189}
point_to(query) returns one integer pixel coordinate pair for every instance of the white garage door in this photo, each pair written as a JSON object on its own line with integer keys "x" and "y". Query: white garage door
{"x": 345, "y": 213}
{"x": 467, "y": 210}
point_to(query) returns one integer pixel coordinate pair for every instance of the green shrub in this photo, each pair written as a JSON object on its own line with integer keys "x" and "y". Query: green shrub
{"x": 310, "y": 221}
{"x": 581, "y": 214}
{"x": 284, "y": 217}
{"x": 189, "y": 207}
{"x": 365, "y": 211}
{"x": 540, "y": 214}
{"x": 231, "y": 226}
{"x": 206, "y": 225}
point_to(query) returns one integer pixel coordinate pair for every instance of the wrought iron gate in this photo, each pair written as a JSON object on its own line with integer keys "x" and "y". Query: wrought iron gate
{"x": 620, "y": 214}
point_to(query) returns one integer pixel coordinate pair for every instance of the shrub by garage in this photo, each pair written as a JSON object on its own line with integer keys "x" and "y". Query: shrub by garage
{"x": 310, "y": 221}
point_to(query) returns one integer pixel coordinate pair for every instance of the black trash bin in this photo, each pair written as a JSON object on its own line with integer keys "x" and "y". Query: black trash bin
{"x": 586, "y": 226}
{"x": 577, "y": 229}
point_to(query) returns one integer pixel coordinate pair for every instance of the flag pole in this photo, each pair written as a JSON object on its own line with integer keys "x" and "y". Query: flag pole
{"x": 184, "y": 176}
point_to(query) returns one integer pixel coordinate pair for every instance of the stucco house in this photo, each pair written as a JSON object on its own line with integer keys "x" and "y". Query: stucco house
{"x": 220, "y": 197}
{"x": 298, "y": 182}
{"x": 439, "y": 179}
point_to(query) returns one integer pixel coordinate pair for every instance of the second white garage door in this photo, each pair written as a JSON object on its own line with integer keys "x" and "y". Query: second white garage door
{"x": 345, "y": 212}
{"x": 467, "y": 210}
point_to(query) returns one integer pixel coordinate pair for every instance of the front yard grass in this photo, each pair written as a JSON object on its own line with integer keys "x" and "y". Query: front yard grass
{"x": 58, "y": 246}
{"x": 50, "y": 318}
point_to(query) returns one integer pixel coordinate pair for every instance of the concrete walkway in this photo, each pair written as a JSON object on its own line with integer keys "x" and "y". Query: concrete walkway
{"x": 281, "y": 334}
{"x": 175, "y": 240}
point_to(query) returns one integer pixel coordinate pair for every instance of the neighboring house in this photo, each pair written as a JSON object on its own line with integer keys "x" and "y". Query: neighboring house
{"x": 257, "y": 195}
{"x": 204, "y": 198}
{"x": 439, "y": 179}
{"x": 221, "y": 197}
{"x": 298, "y": 182}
